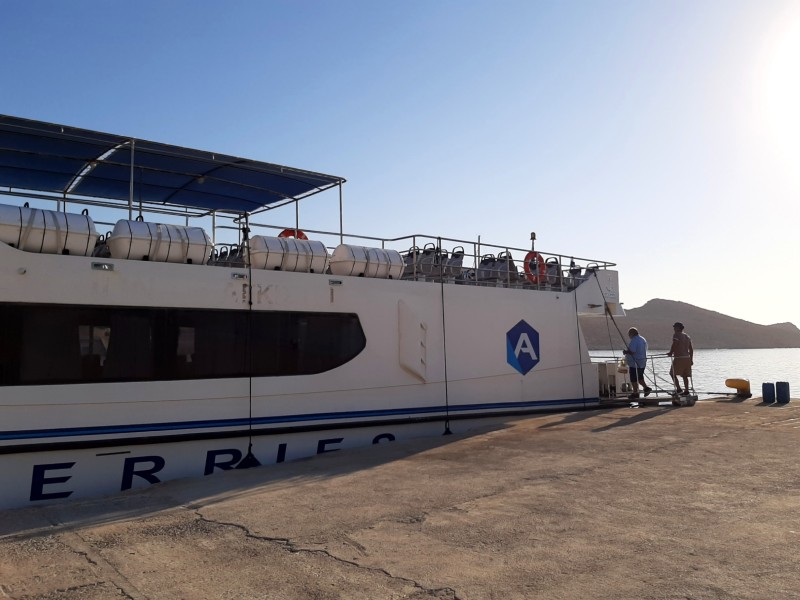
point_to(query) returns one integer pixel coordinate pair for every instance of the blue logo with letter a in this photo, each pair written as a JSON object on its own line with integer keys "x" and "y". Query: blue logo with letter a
{"x": 522, "y": 342}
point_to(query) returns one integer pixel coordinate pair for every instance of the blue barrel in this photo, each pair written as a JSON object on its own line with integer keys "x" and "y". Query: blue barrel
{"x": 768, "y": 392}
{"x": 782, "y": 388}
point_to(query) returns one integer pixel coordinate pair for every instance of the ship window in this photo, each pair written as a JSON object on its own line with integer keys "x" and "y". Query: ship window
{"x": 93, "y": 342}
{"x": 83, "y": 344}
{"x": 130, "y": 347}
{"x": 304, "y": 343}
{"x": 326, "y": 341}
{"x": 57, "y": 344}
{"x": 49, "y": 346}
{"x": 10, "y": 326}
{"x": 208, "y": 344}
{"x": 185, "y": 348}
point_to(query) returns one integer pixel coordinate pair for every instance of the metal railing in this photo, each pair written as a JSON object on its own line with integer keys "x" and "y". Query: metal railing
{"x": 426, "y": 257}
{"x": 657, "y": 376}
{"x": 468, "y": 262}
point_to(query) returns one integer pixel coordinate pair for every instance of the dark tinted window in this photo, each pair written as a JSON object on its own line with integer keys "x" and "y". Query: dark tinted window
{"x": 66, "y": 344}
{"x": 204, "y": 344}
{"x": 294, "y": 343}
{"x": 45, "y": 344}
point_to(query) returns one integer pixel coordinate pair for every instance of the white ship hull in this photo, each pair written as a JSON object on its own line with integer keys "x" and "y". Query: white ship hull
{"x": 395, "y": 386}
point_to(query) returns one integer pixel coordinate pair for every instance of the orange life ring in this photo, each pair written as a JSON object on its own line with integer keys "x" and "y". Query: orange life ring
{"x": 295, "y": 233}
{"x": 541, "y": 270}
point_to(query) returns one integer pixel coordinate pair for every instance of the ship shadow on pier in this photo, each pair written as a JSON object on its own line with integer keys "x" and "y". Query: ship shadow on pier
{"x": 197, "y": 492}
{"x": 637, "y": 416}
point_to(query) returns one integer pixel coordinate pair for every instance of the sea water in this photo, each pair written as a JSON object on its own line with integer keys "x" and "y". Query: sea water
{"x": 712, "y": 367}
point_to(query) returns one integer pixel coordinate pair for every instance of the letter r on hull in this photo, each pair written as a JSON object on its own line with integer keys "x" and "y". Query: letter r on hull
{"x": 129, "y": 470}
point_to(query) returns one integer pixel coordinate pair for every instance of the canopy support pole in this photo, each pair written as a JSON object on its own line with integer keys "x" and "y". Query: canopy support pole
{"x": 341, "y": 222}
{"x": 130, "y": 197}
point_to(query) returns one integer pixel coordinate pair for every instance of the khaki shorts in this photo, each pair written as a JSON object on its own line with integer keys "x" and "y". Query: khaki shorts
{"x": 681, "y": 367}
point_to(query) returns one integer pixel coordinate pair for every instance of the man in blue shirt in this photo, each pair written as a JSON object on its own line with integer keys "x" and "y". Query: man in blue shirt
{"x": 636, "y": 356}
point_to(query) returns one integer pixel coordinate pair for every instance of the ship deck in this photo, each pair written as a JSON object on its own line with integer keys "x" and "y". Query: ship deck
{"x": 653, "y": 502}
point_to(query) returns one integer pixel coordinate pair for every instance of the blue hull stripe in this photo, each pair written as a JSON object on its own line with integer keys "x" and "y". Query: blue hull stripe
{"x": 357, "y": 414}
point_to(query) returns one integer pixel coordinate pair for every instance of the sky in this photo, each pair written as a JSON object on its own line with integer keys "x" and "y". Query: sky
{"x": 663, "y": 136}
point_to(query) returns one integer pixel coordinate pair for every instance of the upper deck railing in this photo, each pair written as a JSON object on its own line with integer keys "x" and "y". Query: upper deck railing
{"x": 468, "y": 262}
{"x": 426, "y": 257}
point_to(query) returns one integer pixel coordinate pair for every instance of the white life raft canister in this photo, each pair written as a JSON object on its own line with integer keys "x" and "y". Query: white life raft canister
{"x": 288, "y": 254}
{"x": 47, "y": 231}
{"x": 360, "y": 261}
{"x": 159, "y": 242}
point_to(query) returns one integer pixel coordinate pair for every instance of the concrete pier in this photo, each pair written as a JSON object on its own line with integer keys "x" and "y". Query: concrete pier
{"x": 696, "y": 502}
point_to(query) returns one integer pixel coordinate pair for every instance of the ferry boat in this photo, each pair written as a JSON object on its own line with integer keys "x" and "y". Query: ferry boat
{"x": 159, "y": 323}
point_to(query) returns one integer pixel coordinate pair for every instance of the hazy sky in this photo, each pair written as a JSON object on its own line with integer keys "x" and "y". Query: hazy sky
{"x": 663, "y": 136}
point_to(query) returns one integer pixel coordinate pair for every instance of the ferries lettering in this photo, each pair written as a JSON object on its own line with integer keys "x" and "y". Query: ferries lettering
{"x": 49, "y": 481}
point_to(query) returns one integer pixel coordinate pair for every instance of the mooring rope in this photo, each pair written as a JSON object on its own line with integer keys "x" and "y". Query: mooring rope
{"x": 578, "y": 334}
{"x": 444, "y": 340}
{"x": 653, "y": 377}
{"x": 249, "y": 459}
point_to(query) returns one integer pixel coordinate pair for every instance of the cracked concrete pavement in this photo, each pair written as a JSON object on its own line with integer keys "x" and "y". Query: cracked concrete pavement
{"x": 699, "y": 503}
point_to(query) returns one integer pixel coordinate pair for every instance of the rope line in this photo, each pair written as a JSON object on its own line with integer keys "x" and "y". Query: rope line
{"x": 249, "y": 459}
{"x": 444, "y": 343}
{"x": 654, "y": 379}
{"x": 578, "y": 334}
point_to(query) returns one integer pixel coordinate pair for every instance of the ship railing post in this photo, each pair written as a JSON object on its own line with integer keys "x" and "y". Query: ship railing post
{"x": 296, "y": 217}
{"x": 130, "y": 196}
{"x": 341, "y": 218}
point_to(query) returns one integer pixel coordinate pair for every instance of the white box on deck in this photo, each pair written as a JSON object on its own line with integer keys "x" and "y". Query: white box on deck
{"x": 266, "y": 252}
{"x": 366, "y": 262}
{"x": 612, "y": 377}
{"x": 309, "y": 256}
{"x": 47, "y": 231}
{"x": 158, "y": 242}
{"x": 288, "y": 254}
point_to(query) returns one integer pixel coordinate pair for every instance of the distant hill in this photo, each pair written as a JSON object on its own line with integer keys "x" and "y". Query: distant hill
{"x": 707, "y": 328}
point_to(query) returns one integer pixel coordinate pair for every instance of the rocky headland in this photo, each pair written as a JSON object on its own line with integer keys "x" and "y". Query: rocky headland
{"x": 708, "y": 329}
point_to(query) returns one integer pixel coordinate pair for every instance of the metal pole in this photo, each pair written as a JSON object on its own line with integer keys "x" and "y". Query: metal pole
{"x": 296, "y": 217}
{"x": 141, "y": 179}
{"x": 130, "y": 198}
{"x": 341, "y": 222}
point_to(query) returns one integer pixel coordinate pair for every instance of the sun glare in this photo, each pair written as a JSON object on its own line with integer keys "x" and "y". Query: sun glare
{"x": 781, "y": 89}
